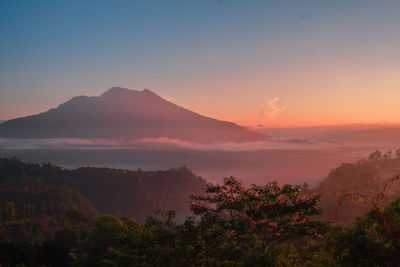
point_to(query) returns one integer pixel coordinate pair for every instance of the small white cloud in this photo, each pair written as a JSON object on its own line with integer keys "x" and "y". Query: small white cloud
{"x": 272, "y": 113}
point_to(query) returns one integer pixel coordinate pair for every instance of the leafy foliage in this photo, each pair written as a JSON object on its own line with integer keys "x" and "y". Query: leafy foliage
{"x": 46, "y": 196}
{"x": 373, "y": 241}
{"x": 231, "y": 225}
{"x": 270, "y": 213}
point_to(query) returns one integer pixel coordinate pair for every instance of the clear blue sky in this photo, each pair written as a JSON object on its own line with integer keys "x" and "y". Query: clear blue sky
{"x": 222, "y": 58}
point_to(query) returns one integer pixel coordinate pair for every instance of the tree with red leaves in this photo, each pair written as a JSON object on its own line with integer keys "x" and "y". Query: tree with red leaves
{"x": 268, "y": 215}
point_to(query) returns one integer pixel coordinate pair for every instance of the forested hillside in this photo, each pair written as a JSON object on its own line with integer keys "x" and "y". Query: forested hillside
{"x": 268, "y": 225}
{"x": 37, "y": 200}
{"x": 353, "y": 188}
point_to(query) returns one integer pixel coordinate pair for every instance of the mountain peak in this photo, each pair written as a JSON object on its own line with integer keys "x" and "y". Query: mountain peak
{"x": 118, "y": 91}
{"x": 147, "y": 91}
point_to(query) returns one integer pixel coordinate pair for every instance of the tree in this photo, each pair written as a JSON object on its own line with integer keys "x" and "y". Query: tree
{"x": 104, "y": 236}
{"x": 374, "y": 240}
{"x": 77, "y": 219}
{"x": 387, "y": 155}
{"x": 376, "y": 155}
{"x": 267, "y": 215}
{"x": 398, "y": 153}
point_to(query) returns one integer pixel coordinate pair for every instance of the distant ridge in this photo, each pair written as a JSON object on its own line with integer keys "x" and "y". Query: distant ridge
{"x": 128, "y": 114}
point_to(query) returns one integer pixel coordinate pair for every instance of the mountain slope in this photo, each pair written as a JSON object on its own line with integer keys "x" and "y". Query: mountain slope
{"x": 365, "y": 177}
{"x": 124, "y": 113}
{"x": 35, "y": 191}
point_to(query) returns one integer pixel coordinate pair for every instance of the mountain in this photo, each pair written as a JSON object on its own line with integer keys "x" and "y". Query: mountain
{"x": 128, "y": 114}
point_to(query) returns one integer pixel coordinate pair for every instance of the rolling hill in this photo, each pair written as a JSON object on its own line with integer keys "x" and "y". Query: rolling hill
{"x": 350, "y": 189}
{"x": 42, "y": 195}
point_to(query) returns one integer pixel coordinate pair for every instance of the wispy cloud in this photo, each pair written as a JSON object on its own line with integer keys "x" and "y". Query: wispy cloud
{"x": 271, "y": 114}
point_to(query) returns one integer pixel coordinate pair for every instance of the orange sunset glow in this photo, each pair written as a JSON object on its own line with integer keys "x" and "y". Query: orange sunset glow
{"x": 200, "y": 133}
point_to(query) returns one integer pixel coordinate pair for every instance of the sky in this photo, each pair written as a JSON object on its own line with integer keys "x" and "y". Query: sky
{"x": 255, "y": 62}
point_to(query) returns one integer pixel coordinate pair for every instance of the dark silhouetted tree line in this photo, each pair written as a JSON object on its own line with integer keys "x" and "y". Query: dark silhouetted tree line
{"x": 49, "y": 220}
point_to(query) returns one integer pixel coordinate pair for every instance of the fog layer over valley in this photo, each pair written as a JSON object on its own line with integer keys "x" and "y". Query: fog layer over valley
{"x": 291, "y": 155}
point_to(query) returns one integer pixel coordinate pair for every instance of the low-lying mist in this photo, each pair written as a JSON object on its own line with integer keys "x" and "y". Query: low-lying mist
{"x": 290, "y": 155}
{"x": 155, "y": 143}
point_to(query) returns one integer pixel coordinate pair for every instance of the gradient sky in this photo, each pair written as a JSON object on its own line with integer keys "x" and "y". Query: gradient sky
{"x": 276, "y": 63}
